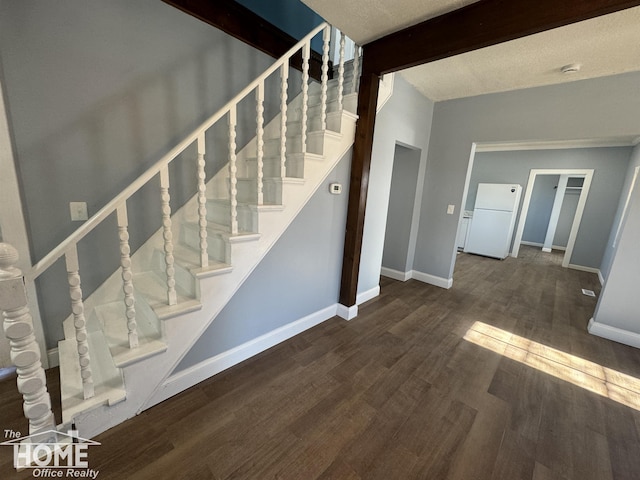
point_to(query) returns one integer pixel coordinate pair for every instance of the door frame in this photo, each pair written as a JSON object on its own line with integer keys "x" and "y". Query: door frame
{"x": 587, "y": 174}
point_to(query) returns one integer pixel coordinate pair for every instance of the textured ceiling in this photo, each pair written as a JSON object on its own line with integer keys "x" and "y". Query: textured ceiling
{"x": 605, "y": 45}
{"x": 366, "y": 20}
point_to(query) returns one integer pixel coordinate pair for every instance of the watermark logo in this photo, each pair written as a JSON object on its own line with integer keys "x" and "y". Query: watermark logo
{"x": 52, "y": 454}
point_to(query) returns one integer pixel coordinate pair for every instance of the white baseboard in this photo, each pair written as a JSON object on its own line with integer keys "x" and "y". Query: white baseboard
{"x": 368, "y": 295}
{"x": 585, "y": 269}
{"x": 348, "y": 313}
{"x": 423, "y": 277}
{"x": 432, "y": 279}
{"x": 53, "y": 357}
{"x": 191, "y": 376}
{"x": 613, "y": 333}
{"x": 540, "y": 245}
{"x": 395, "y": 274}
{"x": 600, "y": 277}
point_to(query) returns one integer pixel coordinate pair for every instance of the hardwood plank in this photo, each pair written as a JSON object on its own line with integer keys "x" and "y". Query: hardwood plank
{"x": 398, "y": 392}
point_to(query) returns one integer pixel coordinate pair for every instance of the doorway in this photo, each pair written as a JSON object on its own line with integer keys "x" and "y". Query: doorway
{"x": 401, "y": 233}
{"x": 567, "y": 181}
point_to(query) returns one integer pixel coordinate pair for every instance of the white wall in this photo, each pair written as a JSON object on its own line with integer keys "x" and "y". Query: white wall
{"x": 405, "y": 119}
{"x": 600, "y": 108}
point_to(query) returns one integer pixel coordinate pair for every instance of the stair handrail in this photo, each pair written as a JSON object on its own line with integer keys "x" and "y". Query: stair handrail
{"x": 64, "y": 246}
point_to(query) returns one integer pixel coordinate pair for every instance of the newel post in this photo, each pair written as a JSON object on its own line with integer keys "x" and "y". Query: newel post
{"x": 25, "y": 352}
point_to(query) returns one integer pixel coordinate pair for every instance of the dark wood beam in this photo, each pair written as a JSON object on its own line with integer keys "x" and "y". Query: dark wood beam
{"x": 243, "y": 24}
{"x": 358, "y": 185}
{"x": 479, "y": 25}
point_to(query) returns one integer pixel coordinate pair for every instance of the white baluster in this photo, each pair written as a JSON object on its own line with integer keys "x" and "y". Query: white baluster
{"x": 202, "y": 202}
{"x": 25, "y": 352}
{"x": 305, "y": 93}
{"x": 341, "y": 72}
{"x": 260, "y": 139}
{"x": 356, "y": 69}
{"x": 284, "y": 77}
{"x": 79, "y": 321}
{"x": 172, "y": 297}
{"x": 326, "y": 34}
{"x": 233, "y": 170}
{"x": 127, "y": 275}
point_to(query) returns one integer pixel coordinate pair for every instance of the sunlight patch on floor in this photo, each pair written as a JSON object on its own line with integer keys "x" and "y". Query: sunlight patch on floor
{"x": 591, "y": 376}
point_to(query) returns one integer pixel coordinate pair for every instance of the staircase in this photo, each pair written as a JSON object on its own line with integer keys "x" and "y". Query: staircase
{"x": 123, "y": 341}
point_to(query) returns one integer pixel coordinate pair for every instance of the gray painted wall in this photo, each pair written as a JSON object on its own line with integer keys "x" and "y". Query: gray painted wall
{"x": 299, "y": 276}
{"x": 402, "y": 196}
{"x": 565, "y": 220}
{"x": 610, "y": 167}
{"x": 599, "y": 108}
{"x": 97, "y": 91}
{"x": 542, "y": 198}
{"x": 619, "y": 302}
{"x": 405, "y": 119}
{"x": 609, "y": 251}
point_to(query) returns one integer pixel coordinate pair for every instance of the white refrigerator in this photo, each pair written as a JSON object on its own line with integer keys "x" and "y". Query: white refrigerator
{"x": 494, "y": 218}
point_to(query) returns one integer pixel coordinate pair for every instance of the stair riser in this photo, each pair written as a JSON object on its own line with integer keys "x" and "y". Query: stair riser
{"x": 248, "y": 193}
{"x": 271, "y": 168}
{"x": 183, "y": 277}
{"x": 294, "y": 145}
{"x": 217, "y": 247}
{"x": 221, "y": 214}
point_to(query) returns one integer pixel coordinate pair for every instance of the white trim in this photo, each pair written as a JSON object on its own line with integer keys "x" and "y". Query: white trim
{"x": 53, "y": 357}
{"x": 432, "y": 279}
{"x": 540, "y": 245}
{"x": 556, "y": 144}
{"x": 368, "y": 295}
{"x": 184, "y": 379}
{"x": 613, "y": 333}
{"x": 600, "y": 277}
{"x": 395, "y": 274}
{"x": 348, "y": 313}
{"x": 584, "y": 269}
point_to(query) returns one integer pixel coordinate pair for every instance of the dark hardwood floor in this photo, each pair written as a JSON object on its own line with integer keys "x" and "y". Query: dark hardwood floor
{"x": 492, "y": 379}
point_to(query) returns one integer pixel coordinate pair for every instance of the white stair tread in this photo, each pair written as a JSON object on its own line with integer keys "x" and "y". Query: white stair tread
{"x": 114, "y": 326}
{"x": 154, "y": 291}
{"x": 108, "y": 383}
{"x": 190, "y": 259}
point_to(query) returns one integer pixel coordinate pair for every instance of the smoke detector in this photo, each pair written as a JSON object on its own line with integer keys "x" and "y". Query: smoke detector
{"x": 571, "y": 68}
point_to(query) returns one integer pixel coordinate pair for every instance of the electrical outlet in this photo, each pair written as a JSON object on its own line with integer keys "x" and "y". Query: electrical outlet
{"x": 78, "y": 211}
{"x": 451, "y": 209}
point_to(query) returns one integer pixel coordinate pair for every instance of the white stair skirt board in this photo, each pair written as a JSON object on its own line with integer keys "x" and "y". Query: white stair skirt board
{"x": 348, "y": 313}
{"x": 432, "y": 279}
{"x": 613, "y": 333}
{"x": 395, "y": 274}
{"x": 368, "y": 295}
{"x": 193, "y": 375}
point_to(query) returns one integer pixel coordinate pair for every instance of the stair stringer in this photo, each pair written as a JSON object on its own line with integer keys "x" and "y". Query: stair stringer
{"x": 144, "y": 378}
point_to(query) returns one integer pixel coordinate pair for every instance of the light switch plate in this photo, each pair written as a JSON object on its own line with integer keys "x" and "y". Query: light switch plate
{"x": 78, "y": 211}
{"x": 451, "y": 209}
